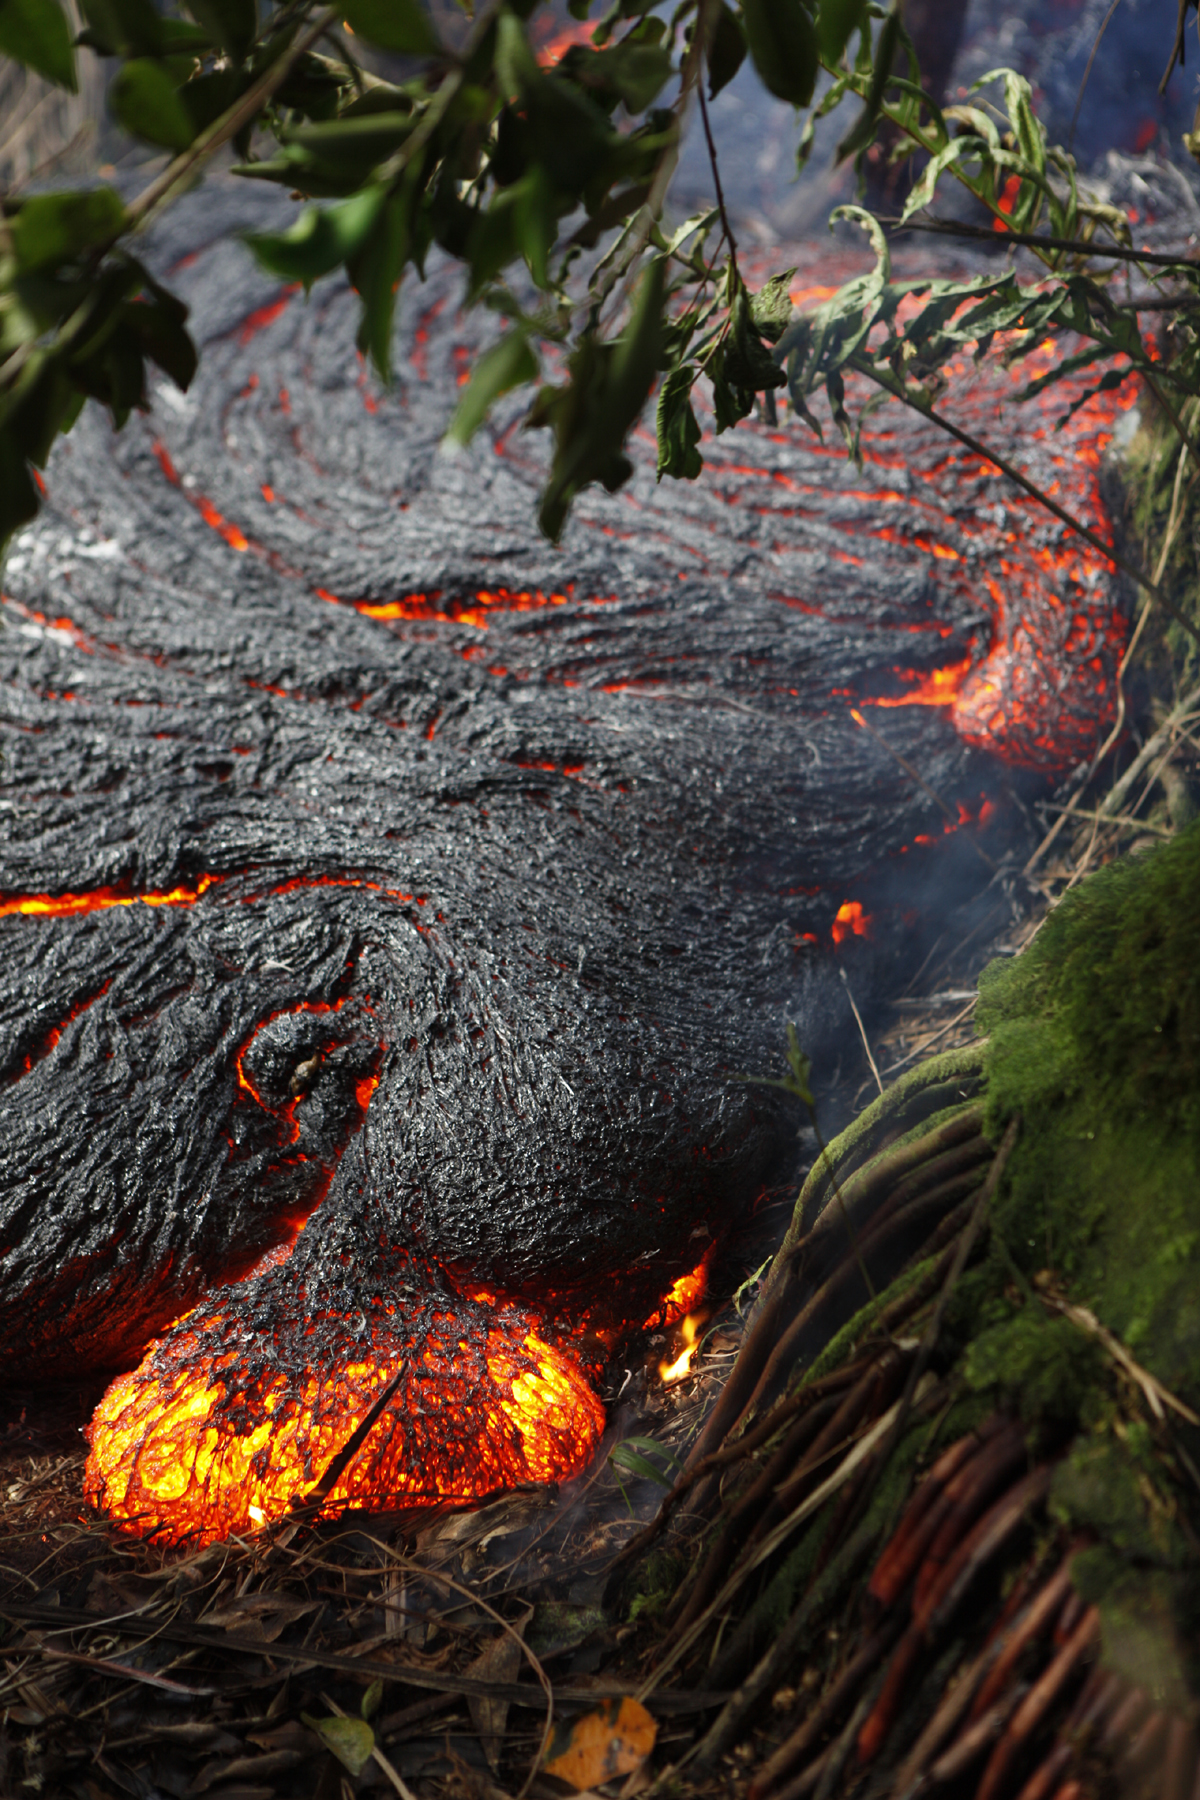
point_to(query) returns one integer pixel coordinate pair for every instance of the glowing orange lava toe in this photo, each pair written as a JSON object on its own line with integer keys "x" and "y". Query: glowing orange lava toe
{"x": 220, "y": 1431}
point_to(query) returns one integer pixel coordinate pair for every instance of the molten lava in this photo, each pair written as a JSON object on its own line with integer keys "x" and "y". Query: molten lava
{"x": 538, "y": 1032}
{"x": 62, "y": 906}
{"x": 851, "y": 921}
{"x": 683, "y": 1297}
{"x": 933, "y": 687}
{"x": 208, "y": 1438}
{"x": 483, "y": 1403}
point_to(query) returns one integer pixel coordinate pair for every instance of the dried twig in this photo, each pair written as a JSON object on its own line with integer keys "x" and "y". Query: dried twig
{"x": 1157, "y": 1396}
{"x": 862, "y": 1030}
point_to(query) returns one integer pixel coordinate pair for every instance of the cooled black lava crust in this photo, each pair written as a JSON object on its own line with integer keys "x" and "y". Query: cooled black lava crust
{"x": 554, "y": 871}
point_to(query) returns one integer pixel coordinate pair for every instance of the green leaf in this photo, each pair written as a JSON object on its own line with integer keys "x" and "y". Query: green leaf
{"x": 594, "y": 414}
{"x": 748, "y": 362}
{"x": 619, "y": 10}
{"x": 320, "y": 240}
{"x": 371, "y": 1700}
{"x": 634, "y": 73}
{"x": 376, "y": 271}
{"x": 731, "y": 403}
{"x": 506, "y": 365}
{"x": 1112, "y": 378}
{"x": 678, "y": 429}
{"x": 51, "y": 229}
{"x": 350, "y": 147}
{"x": 35, "y": 33}
{"x": 125, "y": 27}
{"x": 634, "y": 1454}
{"x": 783, "y": 43}
{"x": 516, "y": 66}
{"x": 536, "y": 223}
{"x": 161, "y": 334}
{"x": 143, "y": 97}
{"x": 801, "y": 1067}
{"x": 208, "y": 95}
{"x": 230, "y": 23}
{"x": 492, "y": 242}
{"x": 836, "y": 19}
{"x": 181, "y": 39}
{"x": 771, "y": 307}
{"x": 700, "y": 221}
{"x": 399, "y": 25}
{"x": 726, "y": 49}
{"x": 351, "y": 1740}
{"x": 18, "y": 495}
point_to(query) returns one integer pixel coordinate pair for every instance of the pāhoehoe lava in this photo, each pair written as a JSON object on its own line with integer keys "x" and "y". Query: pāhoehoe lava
{"x": 388, "y": 900}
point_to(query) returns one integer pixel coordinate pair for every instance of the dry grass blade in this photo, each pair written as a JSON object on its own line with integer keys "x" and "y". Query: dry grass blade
{"x": 311, "y": 1657}
{"x": 862, "y": 1031}
{"x": 1157, "y": 1396}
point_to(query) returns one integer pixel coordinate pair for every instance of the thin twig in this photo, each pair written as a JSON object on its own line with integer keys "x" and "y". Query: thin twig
{"x": 862, "y": 1030}
{"x": 811, "y": 1503}
{"x": 920, "y": 1048}
{"x": 1035, "y": 241}
{"x": 726, "y": 227}
{"x": 142, "y": 210}
{"x": 966, "y": 1245}
{"x": 337, "y": 1463}
{"x": 1150, "y": 749}
{"x": 920, "y": 781}
{"x": 1073, "y": 808}
{"x": 477, "y": 1599}
{"x": 1087, "y": 72}
{"x": 1087, "y": 812}
{"x": 1157, "y": 1396}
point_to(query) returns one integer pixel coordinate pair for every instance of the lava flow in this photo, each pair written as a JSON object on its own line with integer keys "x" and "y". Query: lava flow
{"x": 353, "y": 1157}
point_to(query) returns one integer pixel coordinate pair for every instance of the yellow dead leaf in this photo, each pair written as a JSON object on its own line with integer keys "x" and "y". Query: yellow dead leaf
{"x": 614, "y": 1740}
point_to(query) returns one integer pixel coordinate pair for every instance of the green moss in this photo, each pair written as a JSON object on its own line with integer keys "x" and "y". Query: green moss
{"x": 920, "y": 1100}
{"x": 1043, "y": 1366}
{"x": 1100, "y": 1485}
{"x": 1093, "y": 1037}
{"x": 1095, "y": 1040}
{"x": 1144, "y": 1637}
{"x": 840, "y": 1345}
{"x": 654, "y": 1586}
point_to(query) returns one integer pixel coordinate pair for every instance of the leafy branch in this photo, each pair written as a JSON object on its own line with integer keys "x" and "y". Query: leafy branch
{"x": 549, "y": 185}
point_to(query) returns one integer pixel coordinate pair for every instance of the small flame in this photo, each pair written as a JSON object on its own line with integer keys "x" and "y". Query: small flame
{"x": 689, "y": 1333}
